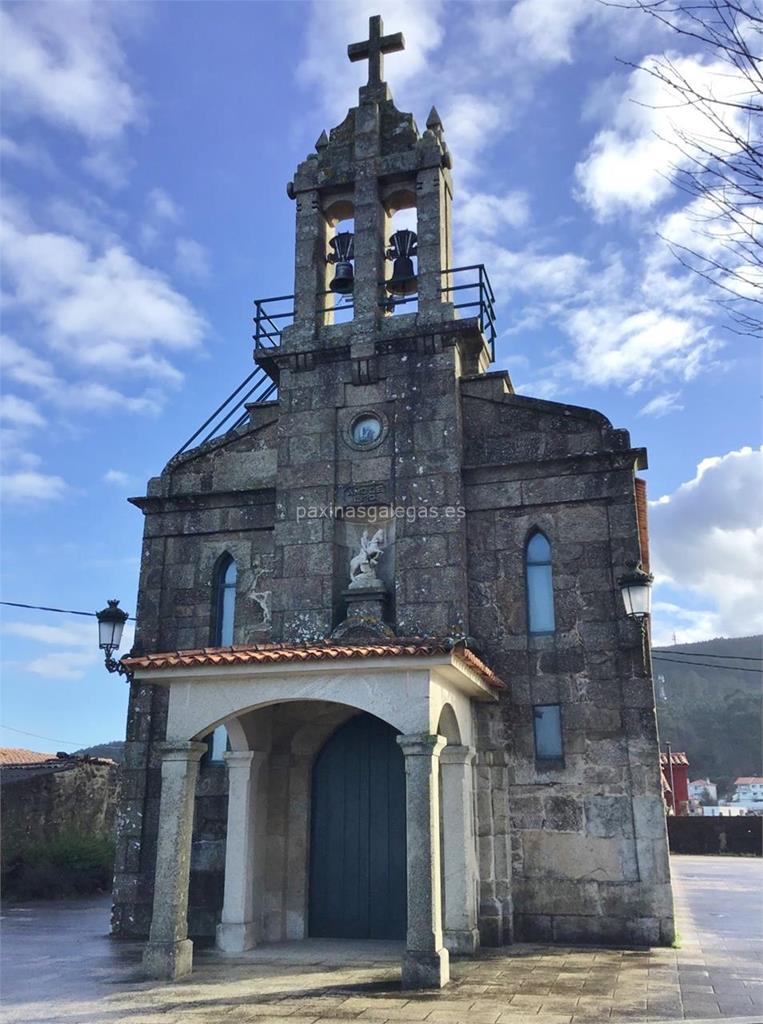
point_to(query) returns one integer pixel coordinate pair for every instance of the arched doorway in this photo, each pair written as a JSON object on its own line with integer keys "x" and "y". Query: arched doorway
{"x": 358, "y": 842}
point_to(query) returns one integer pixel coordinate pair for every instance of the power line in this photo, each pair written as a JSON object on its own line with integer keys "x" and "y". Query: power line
{"x": 707, "y": 664}
{"x": 689, "y": 654}
{"x": 62, "y": 611}
{"x": 53, "y": 739}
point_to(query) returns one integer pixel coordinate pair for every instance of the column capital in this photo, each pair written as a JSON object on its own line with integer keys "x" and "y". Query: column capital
{"x": 182, "y": 750}
{"x": 243, "y": 758}
{"x": 456, "y": 754}
{"x": 421, "y": 744}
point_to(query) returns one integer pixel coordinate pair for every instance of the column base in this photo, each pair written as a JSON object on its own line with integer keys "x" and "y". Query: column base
{"x": 461, "y": 941}
{"x": 235, "y": 938}
{"x": 168, "y": 961}
{"x": 425, "y": 970}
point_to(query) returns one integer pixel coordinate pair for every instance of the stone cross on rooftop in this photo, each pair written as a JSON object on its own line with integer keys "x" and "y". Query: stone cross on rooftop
{"x": 374, "y": 48}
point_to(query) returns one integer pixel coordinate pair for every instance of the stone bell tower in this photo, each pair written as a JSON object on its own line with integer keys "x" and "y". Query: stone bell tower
{"x": 378, "y": 351}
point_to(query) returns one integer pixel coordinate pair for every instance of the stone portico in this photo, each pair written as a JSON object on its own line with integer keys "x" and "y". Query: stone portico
{"x": 423, "y": 690}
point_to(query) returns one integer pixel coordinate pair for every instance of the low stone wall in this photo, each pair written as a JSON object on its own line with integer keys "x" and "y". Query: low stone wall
{"x": 738, "y": 835}
{"x": 68, "y": 796}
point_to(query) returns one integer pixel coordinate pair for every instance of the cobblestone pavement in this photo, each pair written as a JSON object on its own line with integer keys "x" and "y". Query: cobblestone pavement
{"x": 59, "y": 967}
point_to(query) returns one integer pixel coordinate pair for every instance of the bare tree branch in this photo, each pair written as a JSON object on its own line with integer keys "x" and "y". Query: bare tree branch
{"x": 720, "y": 160}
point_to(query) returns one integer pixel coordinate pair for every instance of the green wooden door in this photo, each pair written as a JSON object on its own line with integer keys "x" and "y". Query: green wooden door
{"x": 357, "y": 850}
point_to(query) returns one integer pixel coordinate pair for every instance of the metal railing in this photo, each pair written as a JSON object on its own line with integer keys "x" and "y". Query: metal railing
{"x": 482, "y": 305}
{"x": 272, "y": 315}
{"x": 257, "y": 387}
{"x": 475, "y": 294}
{"x": 267, "y": 320}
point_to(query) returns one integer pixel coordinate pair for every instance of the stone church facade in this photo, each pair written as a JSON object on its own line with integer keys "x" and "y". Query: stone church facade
{"x": 391, "y": 595}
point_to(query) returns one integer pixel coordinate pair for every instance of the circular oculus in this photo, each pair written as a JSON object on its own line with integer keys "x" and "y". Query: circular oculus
{"x": 366, "y": 429}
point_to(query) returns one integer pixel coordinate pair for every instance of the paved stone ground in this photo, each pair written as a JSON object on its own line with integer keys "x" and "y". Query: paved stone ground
{"x": 60, "y": 967}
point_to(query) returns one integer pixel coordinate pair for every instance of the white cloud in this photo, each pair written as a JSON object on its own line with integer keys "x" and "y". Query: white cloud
{"x": 471, "y": 124}
{"x": 191, "y": 259}
{"x": 161, "y": 206}
{"x": 117, "y": 477}
{"x": 63, "y": 63}
{"x": 109, "y": 166}
{"x": 19, "y": 412}
{"x": 31, "y": 486}
{"x": 62, "y": 664}
{"x": 631, "y": 160}
{"x": 539, "y": 32}
{"x": 528, "y": 270}
{"x": 482, "y": 214}
{"x": 627, "y": 324}
{"x": 20, "y": 364}
{"x": 29, "y": 154}
{"x": 707, "y": 538}
{"x": 100, "y": 307}
{"x": 662, "y": 404}
{"x": 78, "y": 638}
{"x": 687, "y": 625}
{"x": 613, "y": 346}
{"x": 76, "y": 634}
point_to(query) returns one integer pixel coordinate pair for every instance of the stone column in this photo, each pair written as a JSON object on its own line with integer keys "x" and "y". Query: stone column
{"x": 237, "y": 930}
{"x": 433, "y": 199}
{"x": 459, "y": 855}
{"x": 310, "y": 273}
{"x": 425, "y": 963}
{"x": 370, "y": 218}
{"x": 169, "y": 952}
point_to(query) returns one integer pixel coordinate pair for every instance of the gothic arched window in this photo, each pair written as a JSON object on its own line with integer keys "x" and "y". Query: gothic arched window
{"x": 540, "y": 586}
{"x": 225, "y": 598}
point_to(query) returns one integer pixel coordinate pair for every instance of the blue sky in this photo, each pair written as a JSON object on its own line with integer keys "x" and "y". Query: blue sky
{"x": 146, "y": 149}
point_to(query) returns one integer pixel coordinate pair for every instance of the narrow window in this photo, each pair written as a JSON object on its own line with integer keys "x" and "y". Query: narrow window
{"x": 547, "y": 726}
{"x": 540, "y": 587}
{"x": 222, "y": 636}
{"x": 226, "y": 602}
{"x": 217, "y": 743}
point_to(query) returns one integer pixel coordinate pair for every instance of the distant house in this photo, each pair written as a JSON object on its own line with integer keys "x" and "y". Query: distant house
{"x": 675, "y": 782}
{"x": 748, "y": 791}
{"x": 703, "y": 789}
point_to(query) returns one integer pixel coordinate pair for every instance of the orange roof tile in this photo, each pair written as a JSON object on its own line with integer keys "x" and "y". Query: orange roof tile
{"x": 676, "y": 757}
{"x": 17, "y": 755}
{"x": 748, "y": 780}
{"x": 266, "y": 654}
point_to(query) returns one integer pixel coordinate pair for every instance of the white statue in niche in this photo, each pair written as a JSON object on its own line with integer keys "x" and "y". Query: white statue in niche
{"x": 363, "y": 565}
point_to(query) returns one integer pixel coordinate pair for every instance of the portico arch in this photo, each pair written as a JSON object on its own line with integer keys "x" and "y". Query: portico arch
{"x": 278, "y": 712}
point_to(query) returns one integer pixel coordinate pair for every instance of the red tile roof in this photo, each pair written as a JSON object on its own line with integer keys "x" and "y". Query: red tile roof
{"x": 268, "y": 654}
{"x": 17, "y": 755}
{"x": 748, "y": 780}
{"x": 676, "y": 757}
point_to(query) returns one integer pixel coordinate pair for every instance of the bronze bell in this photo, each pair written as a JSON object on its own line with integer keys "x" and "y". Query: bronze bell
{"x": 343, "y": 245}
{"x": 402, "y": 249}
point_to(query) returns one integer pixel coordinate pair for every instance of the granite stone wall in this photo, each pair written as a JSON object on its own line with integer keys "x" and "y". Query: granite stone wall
{"x": 588, "y": 851}
{"x": 573, "y": 851}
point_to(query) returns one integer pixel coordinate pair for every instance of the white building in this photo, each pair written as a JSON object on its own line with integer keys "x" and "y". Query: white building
{"x": 749, "y": 792}
{"x": 703, "y": 789}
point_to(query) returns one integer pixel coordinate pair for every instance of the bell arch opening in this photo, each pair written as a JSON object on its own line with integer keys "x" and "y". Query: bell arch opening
{"x": 337, "y": 301}
{"x": 401, "y": 283}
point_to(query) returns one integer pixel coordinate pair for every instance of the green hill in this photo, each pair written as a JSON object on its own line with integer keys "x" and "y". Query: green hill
{"x": 114, "y": 750}
{"x": 712, "y": 713}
